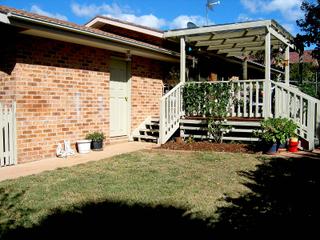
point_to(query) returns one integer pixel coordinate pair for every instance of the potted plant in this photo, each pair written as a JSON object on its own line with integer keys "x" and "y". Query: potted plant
{"x": 96, "y": 140}
{"x": 275, "y": 131}
{"x": 83, "y": 146}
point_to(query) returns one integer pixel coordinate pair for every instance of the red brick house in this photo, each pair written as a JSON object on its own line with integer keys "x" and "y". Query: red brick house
{"x": 68, "y": 80}
{"x": 305, "y": 58}
{"x": 59, "y": 75}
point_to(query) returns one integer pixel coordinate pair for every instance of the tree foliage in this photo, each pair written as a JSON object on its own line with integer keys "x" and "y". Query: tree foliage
{"x": 310, "y": 25}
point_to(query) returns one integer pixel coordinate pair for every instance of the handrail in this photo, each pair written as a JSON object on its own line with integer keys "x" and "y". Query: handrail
{"x": 296, "y": 91}
{"x": 171, "y": 110}
{"x": 303, "y": 109}
{"x": 228, "y": 81}
{"x": 172, "y": 90}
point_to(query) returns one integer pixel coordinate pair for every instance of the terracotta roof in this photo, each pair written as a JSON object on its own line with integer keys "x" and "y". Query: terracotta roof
{"x": 306, "y": 57}
{"x": 125, "y": 22}
{"x": 6, "y": 10}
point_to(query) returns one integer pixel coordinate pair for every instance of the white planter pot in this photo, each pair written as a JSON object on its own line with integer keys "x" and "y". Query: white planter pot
{"x": 84, "y": 146}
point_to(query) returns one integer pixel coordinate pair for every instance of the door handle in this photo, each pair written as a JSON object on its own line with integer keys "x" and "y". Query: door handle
{"x": 126, "y": 98}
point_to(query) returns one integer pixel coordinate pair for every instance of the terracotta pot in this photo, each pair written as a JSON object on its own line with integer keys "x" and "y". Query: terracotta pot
{"x": 179, "y": 140}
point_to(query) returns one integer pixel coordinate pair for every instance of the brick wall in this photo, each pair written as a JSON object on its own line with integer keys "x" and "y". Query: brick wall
{"x": 147, "y": 85}
{"x": 62, "y": 92}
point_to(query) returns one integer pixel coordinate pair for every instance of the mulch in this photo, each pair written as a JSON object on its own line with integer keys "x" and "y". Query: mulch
{"x": 209, "y": 146}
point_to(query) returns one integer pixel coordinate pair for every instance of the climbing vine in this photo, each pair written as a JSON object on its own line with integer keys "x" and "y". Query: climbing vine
{"x": 210, "y": 100}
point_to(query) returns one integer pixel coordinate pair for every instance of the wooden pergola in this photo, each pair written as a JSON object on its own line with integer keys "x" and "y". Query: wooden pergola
{"x": 237, "y": 39}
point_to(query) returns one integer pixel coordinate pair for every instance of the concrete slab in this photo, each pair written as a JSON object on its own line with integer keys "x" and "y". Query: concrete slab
{"x": 36, "y": 167}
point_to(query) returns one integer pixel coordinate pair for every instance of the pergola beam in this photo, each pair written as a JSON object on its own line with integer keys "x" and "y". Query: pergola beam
{"x": 243, "y": 49}
{"x": 236, "y": 45}
{"x": 217, "y": 28}
{"x": 229, "y": 34}
{"x": 281, "y": 38}
{"x": 229, "y": 41}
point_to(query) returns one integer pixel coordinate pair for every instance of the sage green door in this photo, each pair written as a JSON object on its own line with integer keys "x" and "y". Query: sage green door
{"x": 118, "y": 98}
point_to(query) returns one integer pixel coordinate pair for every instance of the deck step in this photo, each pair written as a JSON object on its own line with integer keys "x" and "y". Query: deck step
{"x": 239, "y": 130}
{"x": 145, "y": 137}
{"x": 149, "y": 130}
{"x": 235, "y": 130}
{"x": 205, "y": 137}
{"x": 228, "y": 123}
{"x": 152, "y": 124}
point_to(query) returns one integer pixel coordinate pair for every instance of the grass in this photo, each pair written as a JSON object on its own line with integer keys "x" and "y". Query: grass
{"x": 152, "y": 188}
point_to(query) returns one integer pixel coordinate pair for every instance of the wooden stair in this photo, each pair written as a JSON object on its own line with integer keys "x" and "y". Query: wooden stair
{"x": 148, "y": 131}
{"x": 238, "y": 130}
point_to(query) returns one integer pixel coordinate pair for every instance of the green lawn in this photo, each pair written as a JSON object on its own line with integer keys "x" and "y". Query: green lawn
{"x": 157, "y": 190}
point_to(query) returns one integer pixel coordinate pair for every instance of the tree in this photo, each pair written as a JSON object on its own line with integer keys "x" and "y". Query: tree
{"x": 310, "y": 25}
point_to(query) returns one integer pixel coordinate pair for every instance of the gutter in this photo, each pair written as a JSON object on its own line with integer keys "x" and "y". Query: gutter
{"x": 88, "y": 33}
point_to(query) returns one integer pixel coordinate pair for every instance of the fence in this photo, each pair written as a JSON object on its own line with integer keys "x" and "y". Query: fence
{"x": 8, "y": 150}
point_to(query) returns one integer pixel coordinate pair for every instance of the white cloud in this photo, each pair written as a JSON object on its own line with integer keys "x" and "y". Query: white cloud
{"x": 126, "y": 14}
{"x": 92, "y": 10}
{"x": 36, "y": 9}
{"x": 251, "y": 5}
{"x": 290, "y": 9}
{"x": 115, "y": 11}
{"x": 182, "y": 20}
{"x": 144, "y": 20}
{"x": 243, "y": 18}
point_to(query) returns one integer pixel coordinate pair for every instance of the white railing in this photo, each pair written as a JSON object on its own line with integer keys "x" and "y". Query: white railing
{"x": 290, "y": 102}
{"x": 171, "y": 110}
{"x": 247, "y": 98}
{"x": 251, "y": 98}
{"x": 8, "y": 152}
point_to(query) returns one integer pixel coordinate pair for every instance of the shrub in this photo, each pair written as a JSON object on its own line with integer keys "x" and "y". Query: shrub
{"x": 276, "y": 130}
{"x": 96, "y": 136}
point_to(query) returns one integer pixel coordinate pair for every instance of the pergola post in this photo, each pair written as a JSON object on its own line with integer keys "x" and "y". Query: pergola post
{"x": 245, "y": 68}
{"x": 182, "y": 60}
{"x": 287, "y": 66}
{"x": 267, "y": 85}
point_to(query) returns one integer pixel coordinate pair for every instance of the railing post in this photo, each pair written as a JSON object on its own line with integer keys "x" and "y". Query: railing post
{"x": 317, "y": 121}
{"x": 277, "y": 102}
{"x": 287, "y": 66}
{"x": 311, "y": 124}
{"x": 14, "y": 125}
{"x": 267, "y": 86}
{"x": 162, "y": 130}
{"x": 182, "y": 60}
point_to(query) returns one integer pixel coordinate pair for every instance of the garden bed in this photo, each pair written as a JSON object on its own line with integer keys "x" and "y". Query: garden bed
{"x": 209, "y": 146}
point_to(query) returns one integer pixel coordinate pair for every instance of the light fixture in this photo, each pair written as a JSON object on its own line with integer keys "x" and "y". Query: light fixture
{"x": 128, "y": 56}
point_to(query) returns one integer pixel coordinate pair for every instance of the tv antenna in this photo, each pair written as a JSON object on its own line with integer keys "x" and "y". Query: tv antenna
{"x": 209, "y": 6}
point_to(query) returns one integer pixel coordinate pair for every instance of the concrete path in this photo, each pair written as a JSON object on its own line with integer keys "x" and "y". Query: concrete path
{"x": 35, "y": 167}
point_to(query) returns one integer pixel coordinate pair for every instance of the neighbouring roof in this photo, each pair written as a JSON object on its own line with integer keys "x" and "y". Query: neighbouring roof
{"x": 306, "y": 57}
{"x": 14, "y": 15}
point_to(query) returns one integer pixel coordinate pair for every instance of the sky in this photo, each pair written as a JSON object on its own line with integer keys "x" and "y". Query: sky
{"x": 167, "y": 14}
